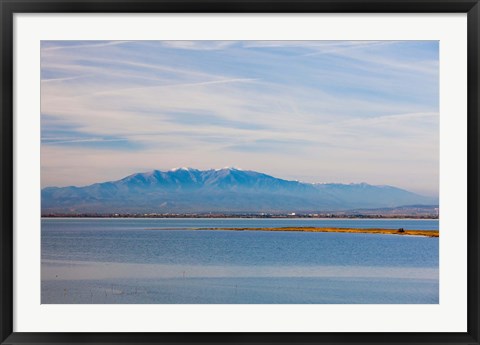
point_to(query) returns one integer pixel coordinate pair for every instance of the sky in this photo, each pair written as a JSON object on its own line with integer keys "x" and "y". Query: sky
{"x": 313, "y": 111}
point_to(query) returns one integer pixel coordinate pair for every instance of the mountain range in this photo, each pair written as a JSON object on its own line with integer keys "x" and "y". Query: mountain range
{"x": 227, "y": 190}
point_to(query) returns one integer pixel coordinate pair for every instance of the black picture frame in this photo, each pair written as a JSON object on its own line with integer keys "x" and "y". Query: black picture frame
{"x": 9, "y": 8}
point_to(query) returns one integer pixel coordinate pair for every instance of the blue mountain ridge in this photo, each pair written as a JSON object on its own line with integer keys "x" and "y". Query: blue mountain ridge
{"x": 228, "y": 190}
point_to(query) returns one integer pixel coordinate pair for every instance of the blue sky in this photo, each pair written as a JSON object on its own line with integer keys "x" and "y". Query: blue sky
{"x": 315, "y": 111}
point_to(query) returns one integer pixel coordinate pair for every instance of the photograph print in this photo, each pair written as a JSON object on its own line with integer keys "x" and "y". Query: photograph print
{"x": 240, "y": 172}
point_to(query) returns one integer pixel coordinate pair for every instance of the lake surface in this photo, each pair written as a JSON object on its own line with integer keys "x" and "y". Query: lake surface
{"x": 126, "y": 261}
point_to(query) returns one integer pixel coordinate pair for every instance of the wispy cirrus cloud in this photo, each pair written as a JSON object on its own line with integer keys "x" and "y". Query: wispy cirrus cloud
{"x": 62, "y": 45}
{"x": 78, "y": 140}
{"x": 198, "y": 45}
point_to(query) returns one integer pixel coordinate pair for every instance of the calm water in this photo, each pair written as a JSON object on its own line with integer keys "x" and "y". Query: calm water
{"x": 125, "y": 261}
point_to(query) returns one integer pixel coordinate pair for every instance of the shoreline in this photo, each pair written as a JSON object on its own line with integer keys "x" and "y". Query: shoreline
{"x": 378, "y": 231}
{"x": 352, "y": 218}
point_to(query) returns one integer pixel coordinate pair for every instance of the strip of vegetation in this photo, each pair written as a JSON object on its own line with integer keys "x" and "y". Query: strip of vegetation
{"x": 427, "y": 233}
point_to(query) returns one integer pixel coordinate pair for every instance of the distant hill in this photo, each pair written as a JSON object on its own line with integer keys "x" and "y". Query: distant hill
{"x": 227, "y": 190}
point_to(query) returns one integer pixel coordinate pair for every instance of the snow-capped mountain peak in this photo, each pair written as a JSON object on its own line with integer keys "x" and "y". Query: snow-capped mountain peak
{"x": 183, "y": 190}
